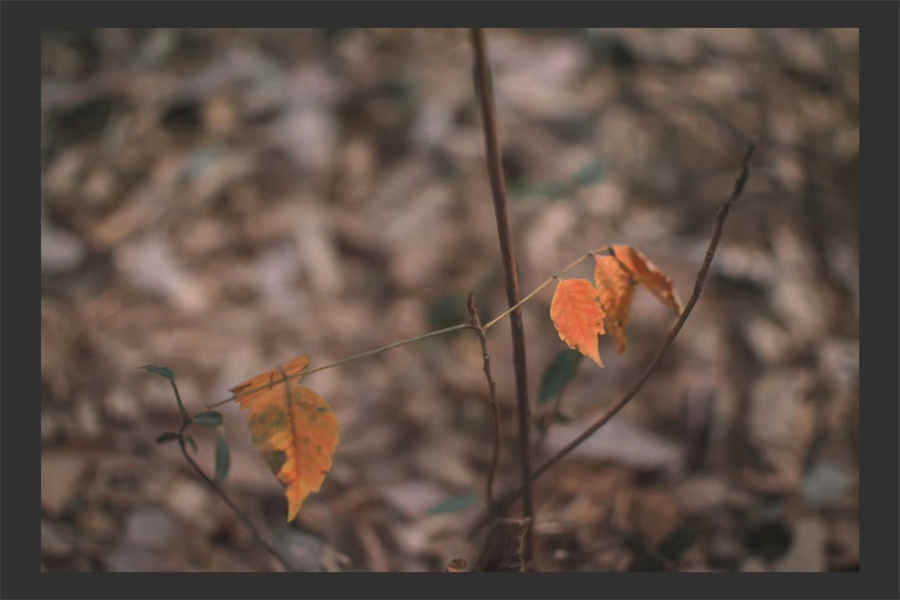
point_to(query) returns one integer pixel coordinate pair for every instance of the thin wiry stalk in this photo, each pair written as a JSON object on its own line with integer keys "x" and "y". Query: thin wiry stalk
{"x": 495, "y": 408}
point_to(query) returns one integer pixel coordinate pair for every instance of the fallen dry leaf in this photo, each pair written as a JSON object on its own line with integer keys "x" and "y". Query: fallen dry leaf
{"x": 292, "y": 426}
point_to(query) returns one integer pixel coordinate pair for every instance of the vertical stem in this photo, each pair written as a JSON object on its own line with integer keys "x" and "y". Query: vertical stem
{"x": 498, "y": 187}
{"x": 495, "y": 408}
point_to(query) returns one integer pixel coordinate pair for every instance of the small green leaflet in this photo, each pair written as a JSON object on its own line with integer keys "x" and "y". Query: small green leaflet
{"x": 558, "y": 374}
{"x": 223, "y": 457}
{"x": 454, "y": 503}
{"x": 161, "y": 371}
{"x": 210, "y": 417}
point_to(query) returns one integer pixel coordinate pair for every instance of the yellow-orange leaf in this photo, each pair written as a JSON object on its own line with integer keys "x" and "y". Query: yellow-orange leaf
{"x": 578, "y": 316}
{"x": 292, "y": 426}
{"x": 616, "y": 291}
{"x": 647, "y": 273}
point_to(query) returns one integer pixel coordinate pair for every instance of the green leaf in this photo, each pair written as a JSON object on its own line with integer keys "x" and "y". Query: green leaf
{"x": 223, "y": 457}
{"x": 210, "y": 417}
{"x": 161, "y": 371}
{"x": 166, "y": 437}
{"x": 589, "y": 174}
{"x": 190, "y": 440}
{"x": 454, "y": 503}
{"x": 558, "y": 374}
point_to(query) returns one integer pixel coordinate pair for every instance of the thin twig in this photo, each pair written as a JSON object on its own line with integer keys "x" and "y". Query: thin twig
{"x": 498, "y": 187}
{"x": 495, "y": 408}
{"x": 185, "y": 417}
{"x": 218, "y": 490}
{"x": 390, "y": 347}
{"x": 351, "y": 358}
{"x": 271, "y": 550}
{"x": 721, "y": 215}
{"x": 418, "y": 338}
{"x": 544, "y": 284}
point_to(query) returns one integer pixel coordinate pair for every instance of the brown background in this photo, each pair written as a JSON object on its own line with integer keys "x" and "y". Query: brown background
{"x": 219, "y": 201}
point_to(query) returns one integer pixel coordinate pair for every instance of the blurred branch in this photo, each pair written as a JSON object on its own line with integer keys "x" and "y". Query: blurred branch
{"x": 722, "y": 214}
{"x": 484, "y": 87}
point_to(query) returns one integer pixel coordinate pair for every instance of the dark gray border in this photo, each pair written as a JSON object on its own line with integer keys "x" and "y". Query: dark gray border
{"x": 20, "y": 404}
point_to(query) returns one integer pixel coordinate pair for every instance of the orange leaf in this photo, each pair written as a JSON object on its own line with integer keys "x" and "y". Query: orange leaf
{"x": 644, "y": 271}
{"x": 616, "y": 291}
{"x": 578, "y": 316}
{"x": 292, "y": 426}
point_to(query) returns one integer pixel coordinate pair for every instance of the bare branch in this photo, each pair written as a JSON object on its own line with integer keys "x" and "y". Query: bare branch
{"x": 485, "y": 91}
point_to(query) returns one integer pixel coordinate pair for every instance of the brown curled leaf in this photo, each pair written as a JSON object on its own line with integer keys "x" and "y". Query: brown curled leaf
{"x": 616, "y": 291}
{"x": 645, "y": 272}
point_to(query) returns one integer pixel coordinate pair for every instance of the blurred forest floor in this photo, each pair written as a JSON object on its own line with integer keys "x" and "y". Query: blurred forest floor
{"x": 220, "y": 201}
